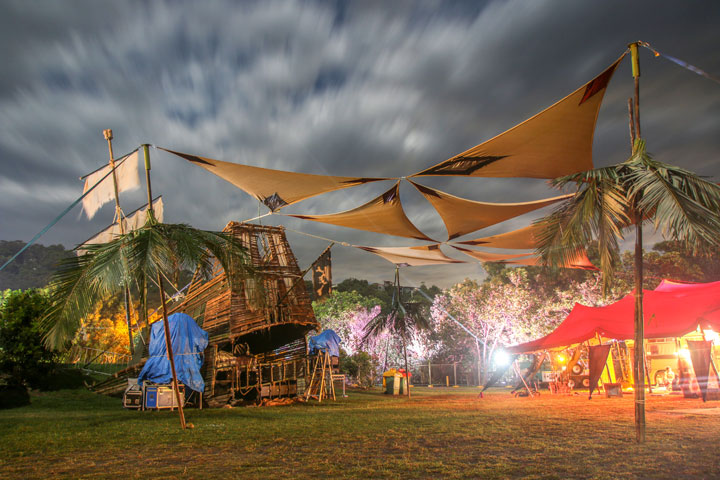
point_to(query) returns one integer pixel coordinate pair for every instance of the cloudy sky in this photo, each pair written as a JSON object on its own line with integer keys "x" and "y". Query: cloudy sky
{"x": 345, "y": 88}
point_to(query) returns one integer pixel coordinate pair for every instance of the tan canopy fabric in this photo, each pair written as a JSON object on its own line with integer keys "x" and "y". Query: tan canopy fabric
{"x": 490, "y": 257}
{"x": 463, "y": 216}
{"x": 275, "y": 188}
{"x": 412, "y": 256}
{"x": 529, "y": 258}
{"x": 553, "y": 143}
{"x": 131, "y": 222}
{"x": 521, "y": 239}
{"x": 383, "y": 214}
{"x": 581, "y": 262}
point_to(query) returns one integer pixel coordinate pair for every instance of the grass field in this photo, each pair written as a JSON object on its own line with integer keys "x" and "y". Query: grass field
{"x": 440, "y": 433}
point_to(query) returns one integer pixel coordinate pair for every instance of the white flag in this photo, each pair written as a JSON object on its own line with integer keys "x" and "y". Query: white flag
{"x": 132, "y": 222}
{"x": 127, "y": 179}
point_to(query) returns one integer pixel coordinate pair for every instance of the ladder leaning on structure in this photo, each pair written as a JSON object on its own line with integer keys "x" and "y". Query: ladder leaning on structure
{"x": 321, "y": 382}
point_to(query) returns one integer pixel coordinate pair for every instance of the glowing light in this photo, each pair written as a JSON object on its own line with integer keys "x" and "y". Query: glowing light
{"x": 502, "y": 358}
{"x": 684, "y": 353}
{"x": 561, "y": 359}
{"x": 712, "y": 336}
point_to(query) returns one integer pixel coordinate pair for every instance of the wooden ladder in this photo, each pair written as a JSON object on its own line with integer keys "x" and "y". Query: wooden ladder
{"x": 321, "y": 384}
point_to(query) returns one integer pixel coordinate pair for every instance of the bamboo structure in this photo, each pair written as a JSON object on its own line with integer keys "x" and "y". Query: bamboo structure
{"x": 257, "y": 327}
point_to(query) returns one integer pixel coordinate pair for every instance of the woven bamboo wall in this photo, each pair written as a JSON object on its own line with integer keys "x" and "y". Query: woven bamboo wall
{"x": 231, "y": 315}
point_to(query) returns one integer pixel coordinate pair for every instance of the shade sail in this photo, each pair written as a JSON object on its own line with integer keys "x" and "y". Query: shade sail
{"x": 275, "y": 188}
{"x": 490, "y": 257}
{"x": 528, "y": 258}
{"x": 383, "y": 214}
{"x": 131, "y": 222}
{"x": 124, "y": 178}
{"x": 521, "y": 239}
{"x": 555, "y": 142}
{"x": 667, "y": 314}
{"x": 412, "y": 256}
{"x": 463, "y": 216}
{"x": 581, "y": 262}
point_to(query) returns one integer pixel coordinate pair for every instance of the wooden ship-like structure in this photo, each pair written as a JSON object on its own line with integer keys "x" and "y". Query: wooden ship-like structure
{"x": 257, "y": 327}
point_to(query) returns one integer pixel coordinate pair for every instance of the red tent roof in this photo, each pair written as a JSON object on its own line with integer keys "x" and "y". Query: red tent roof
{"x": 671, "y": 310}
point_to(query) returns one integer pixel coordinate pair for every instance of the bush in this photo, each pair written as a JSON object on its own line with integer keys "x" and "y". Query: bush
{"x": 360, "y": 367}
{"x": 13, "y": 393}
{"x": 23, "y": 355}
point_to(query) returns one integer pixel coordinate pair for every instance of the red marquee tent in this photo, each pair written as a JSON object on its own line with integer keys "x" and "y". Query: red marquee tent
{"x": 671, "y": 310}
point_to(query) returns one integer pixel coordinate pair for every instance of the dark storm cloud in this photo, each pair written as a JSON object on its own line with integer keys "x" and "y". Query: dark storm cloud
{"x": 344, "y": 88}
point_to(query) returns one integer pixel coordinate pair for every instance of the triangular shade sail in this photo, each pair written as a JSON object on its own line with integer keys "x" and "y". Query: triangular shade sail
{"x": 463, "y": 216}
{"x": 553, "y": 143}
{"x": 383, "y": 214}
{"x": 667, "y": 314}
{"x": 412, "y": 256}
{"x": 131, "y": 222}
{"x": 490, "y": 257}
{"x": 581, "y": 262}
{"x": 521, "y": 239}
{"x": 275, "y": 188}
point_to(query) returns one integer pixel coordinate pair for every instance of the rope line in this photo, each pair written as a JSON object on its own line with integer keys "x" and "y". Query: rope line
{"x": 682, "y": 63}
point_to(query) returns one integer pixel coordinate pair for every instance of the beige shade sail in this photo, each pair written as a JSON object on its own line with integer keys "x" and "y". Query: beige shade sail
{"x": 275, "y": 188}
{"x": 490, "y": 257}
{"x": 529, "y": 258}
{"x": 126, "y": 176}
{"x": 555, "y": 142}
{"x": 383, "y": 214}
{"x": 463, "y": 216}
{"x": 521, "y": 239}
{"x": 412, "y": 256}
{"x": 131, "y": 222}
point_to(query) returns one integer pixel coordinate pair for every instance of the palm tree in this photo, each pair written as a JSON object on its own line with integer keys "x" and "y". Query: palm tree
{"x": 404, "y": 320}
{"x": 609, "y": 201}
{"x": 151, "y": 252}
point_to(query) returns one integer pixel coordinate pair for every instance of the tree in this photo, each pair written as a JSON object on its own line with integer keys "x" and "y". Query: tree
{"x": 155, "y": 251}
{"x": 23, "y": 355}
{"x": 609, "y": 201}
{"x": 404, "y": 320}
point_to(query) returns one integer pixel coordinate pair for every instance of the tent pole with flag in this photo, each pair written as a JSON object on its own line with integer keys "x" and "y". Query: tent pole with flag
{"x": 119, "y": 218}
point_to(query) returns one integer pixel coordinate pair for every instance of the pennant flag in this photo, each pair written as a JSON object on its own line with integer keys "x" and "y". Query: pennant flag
{"x": 131, "y": 222}
{"x": 412, "y": 256}
{"x": 274, "y": 188}
{"x": 521, "y": 239}
{"x": 322, "y": 275}
{"x": 701, "y": 356}
{"x": 126, "y": 173}
{"x": 555, "y": 142}
{"x": 597, "y": 358}
{"x": 462, "y": 216}
{"x": 383, "y": 214}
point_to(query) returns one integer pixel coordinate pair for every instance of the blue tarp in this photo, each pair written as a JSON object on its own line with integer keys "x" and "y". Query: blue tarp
{"x": 327, "y": 340}
{"x": 188, "y": 343}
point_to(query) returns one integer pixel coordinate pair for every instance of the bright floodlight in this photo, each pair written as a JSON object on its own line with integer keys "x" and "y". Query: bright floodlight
{"x": 502, "y": 358}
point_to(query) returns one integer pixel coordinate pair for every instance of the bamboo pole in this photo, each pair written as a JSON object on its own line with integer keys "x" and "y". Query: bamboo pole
{"x": 118, "y": 216}
{"x": 404, "y": 341}
{"x": 166, "y": 323}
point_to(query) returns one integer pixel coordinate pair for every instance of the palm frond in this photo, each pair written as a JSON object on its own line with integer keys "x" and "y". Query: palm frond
{"x": 130, "y": 259}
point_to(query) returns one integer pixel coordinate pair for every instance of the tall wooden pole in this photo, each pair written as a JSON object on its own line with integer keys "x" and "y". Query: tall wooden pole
{"x": 404, "y": 340}
{"x": 639, "y": 363}
{"x": 166, "y": 324}
{"x": 118, "y": 216}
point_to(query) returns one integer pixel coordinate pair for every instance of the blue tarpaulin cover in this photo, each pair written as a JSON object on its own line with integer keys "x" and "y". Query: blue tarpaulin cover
{"x": 327, "y": 340}
{"x": 188, "y": 343}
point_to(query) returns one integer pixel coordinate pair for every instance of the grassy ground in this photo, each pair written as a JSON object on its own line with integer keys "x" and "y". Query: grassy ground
{"x": 440, "y": 433}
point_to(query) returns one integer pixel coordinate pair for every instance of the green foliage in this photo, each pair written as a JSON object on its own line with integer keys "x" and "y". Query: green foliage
{"x": 33, "y": 268}
{"x": 23, "y": 355}
{"x": 338, "y": 304}
{"x": 360, "y": 367}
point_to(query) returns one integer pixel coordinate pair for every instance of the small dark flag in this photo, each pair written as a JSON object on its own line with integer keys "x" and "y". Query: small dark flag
{"x": 322, "y": 275}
